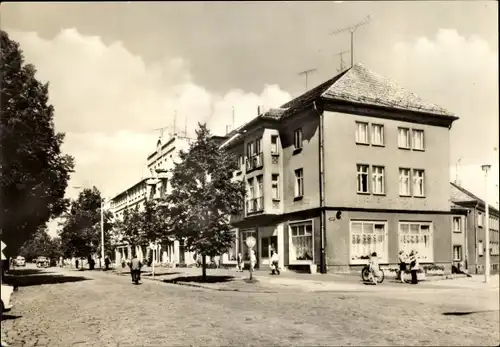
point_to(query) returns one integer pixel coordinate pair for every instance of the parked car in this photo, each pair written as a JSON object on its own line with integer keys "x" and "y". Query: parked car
{"x": 6, "y": 296}
{"x": 19, "y": 261}
{"x": 42, "y": 262}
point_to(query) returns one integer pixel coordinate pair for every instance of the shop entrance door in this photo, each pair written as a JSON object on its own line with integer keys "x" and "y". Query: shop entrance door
{"x": 266, "y": 244}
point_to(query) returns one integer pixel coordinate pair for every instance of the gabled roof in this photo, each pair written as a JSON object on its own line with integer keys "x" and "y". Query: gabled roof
{"x": 357, "y": 85}
{"x": 460, "y": 195}
{"x": 361, "y": 85}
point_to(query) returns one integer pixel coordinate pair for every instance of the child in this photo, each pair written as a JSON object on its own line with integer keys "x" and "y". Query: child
{"x": 275, "y": 262}
{"x": 374, "y": 267}
{"x": 239, "y": 264}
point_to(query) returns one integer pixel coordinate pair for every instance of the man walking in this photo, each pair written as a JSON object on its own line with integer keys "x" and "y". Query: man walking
{"x": 135, "y": 268}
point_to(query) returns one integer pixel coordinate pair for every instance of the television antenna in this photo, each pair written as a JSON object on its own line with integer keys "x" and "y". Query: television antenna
{"x": 341, "y": 60}
{"x": 306, "y": 73}
{"x": 352, "y": 29}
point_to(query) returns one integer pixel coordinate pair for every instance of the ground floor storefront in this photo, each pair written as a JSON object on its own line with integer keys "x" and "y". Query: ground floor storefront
{"x": 171, "y": 253}
{"x": 350, "y": 237}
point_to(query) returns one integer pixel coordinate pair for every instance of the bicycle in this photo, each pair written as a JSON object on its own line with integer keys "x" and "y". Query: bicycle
{"x": 365, "y": 275}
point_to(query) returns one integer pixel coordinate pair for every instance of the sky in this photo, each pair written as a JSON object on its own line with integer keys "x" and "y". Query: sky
{"x": 118, "y": 71}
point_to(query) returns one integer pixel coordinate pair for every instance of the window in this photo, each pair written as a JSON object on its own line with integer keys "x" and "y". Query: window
{"x": 404, "y": 182}
{"x": 418, "y": 183}
{"x": 301, "y": 245}
{"x": 251, "y": 189}
{"x": 275, "y": 187}
{"x": 361, "y": 132}
{"x": 260, "y": 190}
{"x": 377, "y": 134}
{"x": 418, "y": 139}
{"x": 258, "y": 145}
{"x": 457, "y": 225}
{"x": 479, "y": 219}
{"x": 404, "y": 138}
{"x": 299, "y": 183}
{"x": 378, "y": 180}
{"x": 274, "y": 144}
{"x": 297, "y": 138}
{"x": 457, "y": 253}
{"x": 480, "y": 248}
{"x": 417, "y": 236}
{"x": 368, "y": 237}
{"x": 241, "y": 162}
{"x": 362, "y": 178}
{"x": 244, "y": 248}
{"x": 250, "y": 149}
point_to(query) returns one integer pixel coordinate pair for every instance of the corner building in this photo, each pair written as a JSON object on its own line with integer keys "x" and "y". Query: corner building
{"x": 355, "y": 165}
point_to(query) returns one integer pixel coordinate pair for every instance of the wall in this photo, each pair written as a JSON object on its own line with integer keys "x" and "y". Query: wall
{"x": 338, "y": 235}
{"x": 458, "y": 238}
{"x": 307, "y": 158}
{"x": 342, "y": 154}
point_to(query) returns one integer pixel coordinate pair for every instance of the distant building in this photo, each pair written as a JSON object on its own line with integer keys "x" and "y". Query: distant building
{"x": 354, "y": 165}
{"x": 468, "y": 229}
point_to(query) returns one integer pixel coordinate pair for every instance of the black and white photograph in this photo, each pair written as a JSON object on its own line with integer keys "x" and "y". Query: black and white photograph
{"x": 249, "y": 173}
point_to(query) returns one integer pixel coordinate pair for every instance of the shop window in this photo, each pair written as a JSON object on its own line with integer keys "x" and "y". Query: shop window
{"x": 367, "y": 237}
{"x": 417, "y": 236}
{"x": 301, "y": 242}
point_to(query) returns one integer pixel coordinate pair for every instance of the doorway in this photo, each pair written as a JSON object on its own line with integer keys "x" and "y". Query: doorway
{"x": 266, "y": 244}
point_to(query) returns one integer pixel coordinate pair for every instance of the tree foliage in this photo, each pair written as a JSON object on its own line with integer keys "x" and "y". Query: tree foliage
{"x": 204, "y": 195}
{"x": 34, "y": 172}
{"x": 41, "y": 244}
{"x": 81, "y": 230}
{"x": 143, "y": 226}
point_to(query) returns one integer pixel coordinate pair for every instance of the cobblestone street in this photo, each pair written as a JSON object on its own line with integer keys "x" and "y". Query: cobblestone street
{"x": 92, "y": 308}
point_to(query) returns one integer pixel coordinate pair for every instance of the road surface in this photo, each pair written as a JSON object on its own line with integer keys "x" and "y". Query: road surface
{"x": 59, "y": 307}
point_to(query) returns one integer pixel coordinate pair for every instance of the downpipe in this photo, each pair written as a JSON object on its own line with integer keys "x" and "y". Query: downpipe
{"x": 323, "y": 268}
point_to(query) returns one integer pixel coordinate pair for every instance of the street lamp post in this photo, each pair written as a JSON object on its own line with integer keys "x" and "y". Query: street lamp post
{"x": 486, "y": 168}
{"x": 102, "y": 233}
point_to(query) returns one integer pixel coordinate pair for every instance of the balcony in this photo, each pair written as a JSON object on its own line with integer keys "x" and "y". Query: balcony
{"x": 255, "y": 205}
{"x": 254, "y": 162}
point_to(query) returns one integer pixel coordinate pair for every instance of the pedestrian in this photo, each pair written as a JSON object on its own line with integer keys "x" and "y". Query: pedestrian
{"x": 402, "y": 265}
{"x": 61, "y": 262}
{"x": 135, "y": 268}
{"x": 239, "y": 264}
{"x": 414, "y": 266}
{"x": 76, "y": 263}
{"x": 275, "y": 262}
{"x": 106, "y": 263}
{"x": 253, "y": 260}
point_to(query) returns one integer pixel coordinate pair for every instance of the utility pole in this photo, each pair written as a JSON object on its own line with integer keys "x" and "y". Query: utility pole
{"x": 486, "y": 168}
{"x": 341, "y": 60}
{"x": 233, "y": 118}
{"x": 457, "y": 168}
{"x": 306, "y": 73}
{"x": 352, "y": 29}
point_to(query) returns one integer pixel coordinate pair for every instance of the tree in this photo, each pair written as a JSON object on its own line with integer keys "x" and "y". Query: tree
{"x": 204, "y": 195}
{"x": 155, "y": 221}
{"x": 34, "y": 172}
{"x": 81, "y": 230}
{"x": 148, "y": 225}
{"x": 130, "y": 227}
{"x": 41, "y": 244}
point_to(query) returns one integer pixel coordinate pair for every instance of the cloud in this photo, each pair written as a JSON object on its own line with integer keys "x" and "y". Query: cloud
{"x": 461, "y": 74}
{"x": 109, "y": 101}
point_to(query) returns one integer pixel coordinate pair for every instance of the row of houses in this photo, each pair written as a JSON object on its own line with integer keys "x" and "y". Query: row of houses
{"x": 355, "y": 165}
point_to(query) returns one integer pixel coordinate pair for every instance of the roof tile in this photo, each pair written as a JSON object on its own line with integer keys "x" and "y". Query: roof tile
{"x": 361, "y": 85}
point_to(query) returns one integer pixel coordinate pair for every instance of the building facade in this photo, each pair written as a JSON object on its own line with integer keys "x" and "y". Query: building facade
{"x": 156, "y": 186}
{"x": 469, "y": 242}
{"x": 355, "y": 165}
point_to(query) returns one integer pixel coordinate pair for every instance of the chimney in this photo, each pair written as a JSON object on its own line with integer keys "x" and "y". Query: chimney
{"x": 258, "y": 110}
